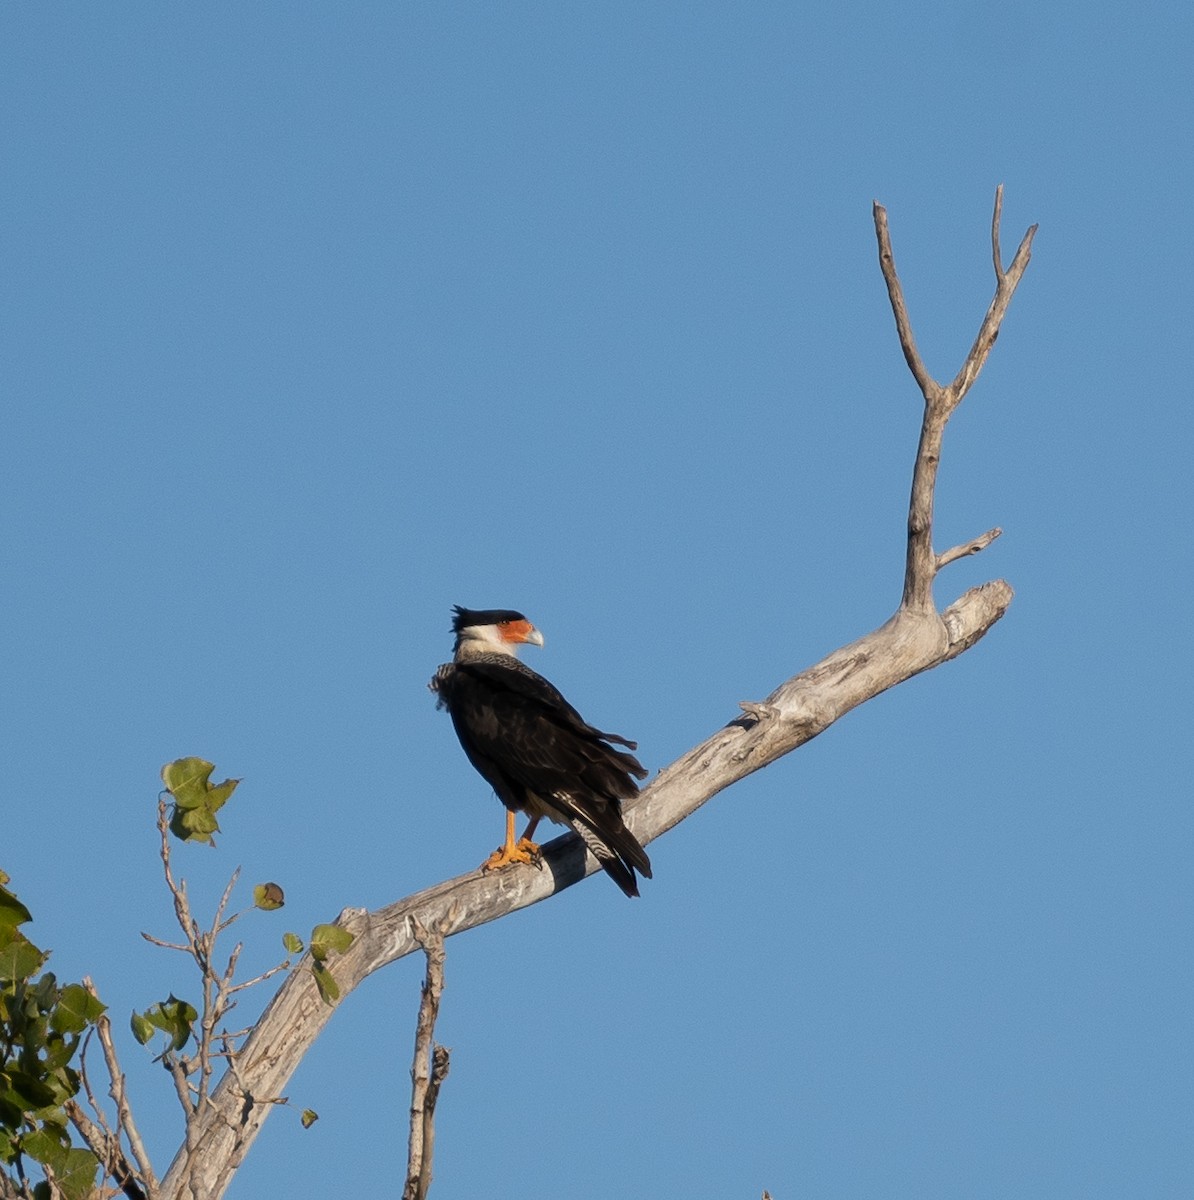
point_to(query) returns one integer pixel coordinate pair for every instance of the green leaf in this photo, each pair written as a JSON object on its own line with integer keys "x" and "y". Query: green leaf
{"x": 268, "y": 896}
{"x": 293, "y": 943}
{"x": 59, "y": 1051}
{"x": 77, "y": 1008}
{"x": 55, "y": 1127}
{"x": 63, "y": 1079}
{"x": 173, "y": 1017}
{"x": 194, "y": 825}
{"x": 31, "y": 1092}
{"x": 329, "y": 939}
{"x": 188, "y": 780}
{"x": 42, "y": 1146}
{"x": 12, "y": 911}
{"x": 142, "y": 1027}
{"x": 45, "y": 991}
{"x": 19, "y": 959}
{"x": 75, "y": 1175}
{"x": 196, "y": 798}
{"x": 309, "y": 1117}
{"x": 74, "y": 1170}
{"x": 12, "y": 1115}
{"x": 57, "y": 1087}
{"x": 329, "y": 989}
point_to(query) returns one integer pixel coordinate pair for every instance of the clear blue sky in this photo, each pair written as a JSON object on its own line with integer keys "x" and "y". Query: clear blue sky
{"x": 319, "y": 319}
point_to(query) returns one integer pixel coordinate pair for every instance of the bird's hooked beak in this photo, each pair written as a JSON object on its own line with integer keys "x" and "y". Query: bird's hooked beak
{"x": 521, "y": 633}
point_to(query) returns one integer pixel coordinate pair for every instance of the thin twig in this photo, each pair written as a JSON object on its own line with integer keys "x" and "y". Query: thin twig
{"x": 229, "y": 1052}
{"x": 124, "y": 1112}
{"x": 178, "y": 891}
{"x": 219, "y": 924}
{"x": 1006, "y": 283}
{"x": 428, "y": 1070}
{"x": 164, "y": 945}
{"x": 85, "y": 1079}
{"x": 182, "y": 1089}
{"x": 248, "y": 983}
{"x": 235, "y": 1034}
{"x": 996, "y": 218}
{"x": 230, "y": 969}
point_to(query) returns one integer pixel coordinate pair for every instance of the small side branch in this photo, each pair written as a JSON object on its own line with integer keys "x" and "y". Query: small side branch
{"x": 1006, "y": 282}
{"x": 972, "y": 547}
{"x": 178, "y": 891}
{"x": 895, "y": 293}
{"x": 428, "y": 1070}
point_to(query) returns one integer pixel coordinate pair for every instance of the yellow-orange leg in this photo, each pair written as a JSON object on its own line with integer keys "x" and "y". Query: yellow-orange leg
{"x": 522, "y": 851}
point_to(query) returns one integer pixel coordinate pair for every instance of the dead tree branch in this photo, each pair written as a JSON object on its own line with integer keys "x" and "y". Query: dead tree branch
{"x": 915, "y": 638}
{"x": 429, "y": 1069}
{"x": 940, "y": 402}
{"x": 106, "y": 1147}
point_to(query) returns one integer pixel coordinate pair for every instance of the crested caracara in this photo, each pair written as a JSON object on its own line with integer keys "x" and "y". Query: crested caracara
{"x": 535, "y": 749}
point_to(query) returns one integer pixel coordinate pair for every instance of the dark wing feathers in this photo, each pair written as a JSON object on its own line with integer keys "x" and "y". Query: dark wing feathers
{"x": 516, "y": 678}
{"x": 522, "y": 720}
{"x": 543, "y": 758}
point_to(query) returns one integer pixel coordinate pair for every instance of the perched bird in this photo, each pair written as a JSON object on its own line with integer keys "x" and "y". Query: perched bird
{"x": 534, "y": 748}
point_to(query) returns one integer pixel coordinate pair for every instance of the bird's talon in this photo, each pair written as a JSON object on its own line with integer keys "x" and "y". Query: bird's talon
{"x": 531, "y": 850}
{"x": 508, "y": 856}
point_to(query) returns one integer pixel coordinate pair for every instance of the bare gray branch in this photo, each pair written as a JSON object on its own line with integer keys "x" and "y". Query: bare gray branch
{"x": 429, "y": 1069}
{"x": 915, "y": 638}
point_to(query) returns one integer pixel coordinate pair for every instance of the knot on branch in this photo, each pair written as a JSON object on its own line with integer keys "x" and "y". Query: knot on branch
{"x": 756, "y": 713}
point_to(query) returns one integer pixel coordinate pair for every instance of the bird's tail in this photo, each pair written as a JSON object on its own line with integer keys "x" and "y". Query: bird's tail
{"x": 615, "y": 848}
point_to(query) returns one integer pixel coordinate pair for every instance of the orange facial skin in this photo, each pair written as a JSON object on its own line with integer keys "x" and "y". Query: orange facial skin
{"x": 516, "y": 632}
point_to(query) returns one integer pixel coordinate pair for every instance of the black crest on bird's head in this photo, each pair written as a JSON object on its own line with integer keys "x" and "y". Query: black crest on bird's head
{"x": 464, "y": 617}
